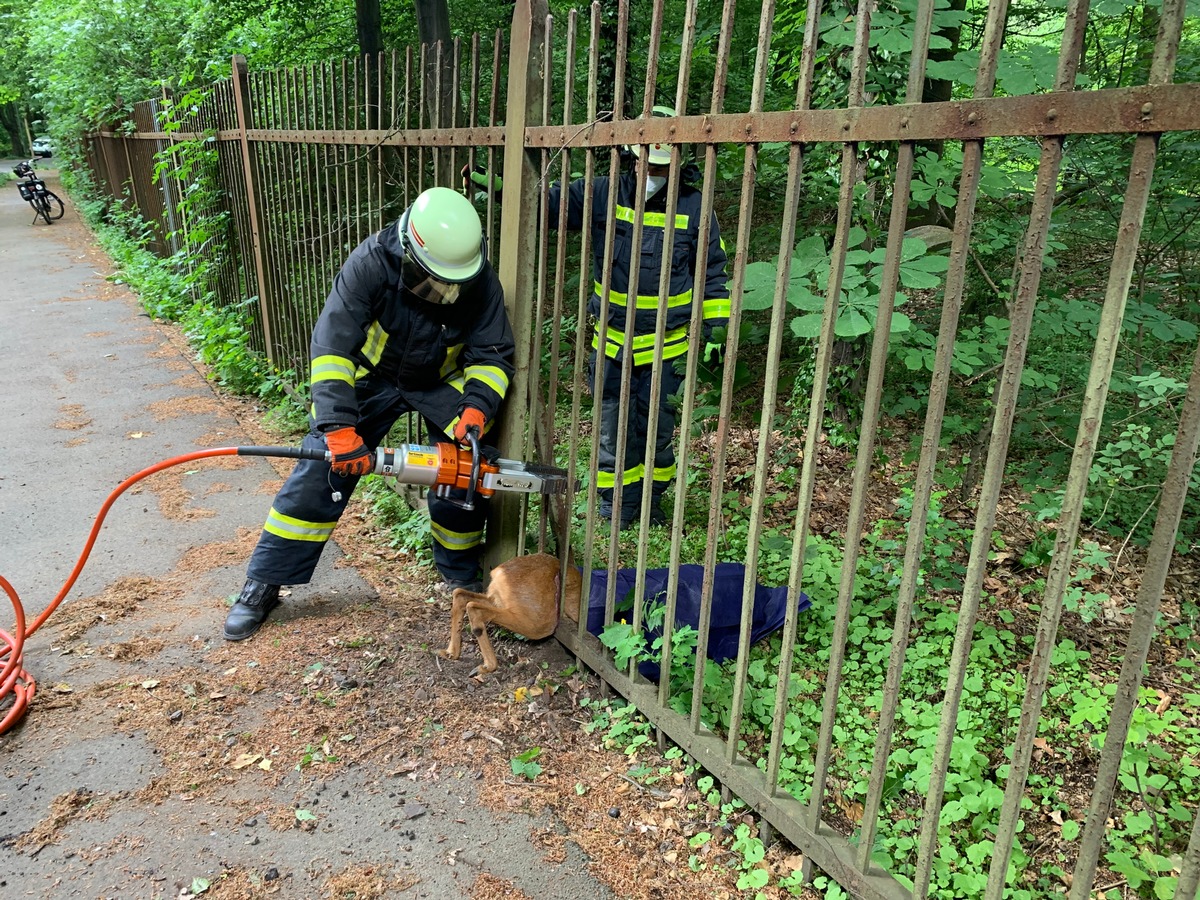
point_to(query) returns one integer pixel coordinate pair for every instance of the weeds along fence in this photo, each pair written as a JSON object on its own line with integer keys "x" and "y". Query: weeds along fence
{"x": 883, "y": 783}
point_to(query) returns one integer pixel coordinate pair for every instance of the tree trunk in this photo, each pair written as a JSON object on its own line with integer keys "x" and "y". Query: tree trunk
{"x": 937, "y": 90}
{"x": 370, "y": 27}
{"x": 610, "y": 29}
{"x": 433, "y": 30}
{"x": 10, "y": 118}
{"x": 370, "y": 45}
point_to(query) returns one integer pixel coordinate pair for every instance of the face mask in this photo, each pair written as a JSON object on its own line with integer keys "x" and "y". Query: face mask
{"x": 438, "y": 292}
{"x": 654, "y": 184}
{"x": 424, "y": 286}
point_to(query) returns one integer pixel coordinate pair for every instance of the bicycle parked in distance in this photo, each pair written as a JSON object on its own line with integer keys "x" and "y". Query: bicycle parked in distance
{"x": 45, "y": 202}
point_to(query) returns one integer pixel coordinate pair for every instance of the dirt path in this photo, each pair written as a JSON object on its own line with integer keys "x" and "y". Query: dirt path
{"x": 332, "y": 755}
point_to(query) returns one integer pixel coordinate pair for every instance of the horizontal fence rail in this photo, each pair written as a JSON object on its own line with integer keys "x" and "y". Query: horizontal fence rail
{"x": 305, "y": 163}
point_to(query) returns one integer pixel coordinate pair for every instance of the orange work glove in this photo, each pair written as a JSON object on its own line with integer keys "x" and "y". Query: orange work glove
{"x": 350, "y": 454}
{"x": 469, "y": 418}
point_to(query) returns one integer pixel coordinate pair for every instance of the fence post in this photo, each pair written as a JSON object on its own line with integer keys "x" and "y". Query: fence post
{"x": 518, "y": 253}
{"x": 241, "y": 97}
{"x": 132, "y": 181}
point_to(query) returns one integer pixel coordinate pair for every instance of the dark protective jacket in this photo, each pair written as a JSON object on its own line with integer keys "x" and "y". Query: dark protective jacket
{"x": 442, "y": 358}
{"x": 684, "y": 252}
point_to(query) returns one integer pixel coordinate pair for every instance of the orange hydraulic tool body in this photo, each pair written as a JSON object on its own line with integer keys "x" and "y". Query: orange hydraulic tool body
{"x": 445, "y": 467}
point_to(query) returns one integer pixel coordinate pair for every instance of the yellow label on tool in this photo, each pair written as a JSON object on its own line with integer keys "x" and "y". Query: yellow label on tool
{"x": 419, "y": 458}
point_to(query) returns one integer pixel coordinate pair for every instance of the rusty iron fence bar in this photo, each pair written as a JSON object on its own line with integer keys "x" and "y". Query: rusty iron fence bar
{"x": 516, "y": 253}
{"x": 541, "y": 413}
{"x": 1148, "y": 109}
{"x": 687, "y": 42}
{"x": 1137, "y": 649}
{"x": 632, "y": 290}
{"x": 578, "y": 376}
{"x": 849, "y": 172}
{"x": 732, "y": 340}
{"x": 787, "y": 238}
{"x": 870, "y": 419}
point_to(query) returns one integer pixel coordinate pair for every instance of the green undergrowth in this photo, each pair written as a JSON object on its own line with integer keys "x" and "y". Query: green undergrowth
{"x": 1159, "y": 782}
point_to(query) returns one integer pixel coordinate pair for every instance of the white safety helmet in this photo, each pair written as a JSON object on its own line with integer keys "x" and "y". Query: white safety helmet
{"x": 442, "y": 240}
{"x": 660, "y": 154}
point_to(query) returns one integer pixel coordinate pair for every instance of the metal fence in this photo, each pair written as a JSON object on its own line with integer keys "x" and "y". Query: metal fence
{"x": 312, "y": 160}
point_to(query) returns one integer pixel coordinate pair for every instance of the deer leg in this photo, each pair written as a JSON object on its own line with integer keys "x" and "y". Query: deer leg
{"x": 457, "y": 608}
{"x": 479, "y": 613}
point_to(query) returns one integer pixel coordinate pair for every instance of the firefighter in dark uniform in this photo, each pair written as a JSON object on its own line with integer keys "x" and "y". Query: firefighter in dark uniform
{"x": 415, "y": 321}
{"x": 609, "y": 336}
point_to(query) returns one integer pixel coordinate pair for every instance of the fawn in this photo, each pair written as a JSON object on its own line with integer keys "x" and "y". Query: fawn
{"x": 522, "y": 597}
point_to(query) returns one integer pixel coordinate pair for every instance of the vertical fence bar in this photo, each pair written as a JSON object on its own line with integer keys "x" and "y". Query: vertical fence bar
{"x": 288, "y": 212}
{"x": 516, "y": 256}
{"x": 378, "y": 149}
{"x": 779, "y": 306}
{"x": 312, "y": 214}
{"x": 687, "y": 42}
{"x": 585, "y": 294}
{"x": 1174, "y": 493}
{"x": 354, "y": 154}
{"x": 817, "y": 412}
{"x": 497, "y": 44}
{"x": 952, "y": 305}
{"x": 284, "y": 255}
{"x": 241, "y": 97}
{"x": 862, "y": 471}
{"x": 328, "y": 219}
{"x": 716, "y": 107}
{"x": 601, "y": 342}
{"x": 455, "y": 113}
{"x": 541, "y": 417}
{"x": 631, "y": 312}
{"x": 745, "y": 227}
{"x": 563, "y": 510}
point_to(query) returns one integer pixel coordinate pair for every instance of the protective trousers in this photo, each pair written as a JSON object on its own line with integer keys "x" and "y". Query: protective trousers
{"x": 304, "y": 512}
{"x": 633, "y": 473}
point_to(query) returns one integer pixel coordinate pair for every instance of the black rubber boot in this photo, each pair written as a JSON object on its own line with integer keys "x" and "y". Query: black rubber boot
{"x": 251, "y": 610}
{"x": 449, "y": 586}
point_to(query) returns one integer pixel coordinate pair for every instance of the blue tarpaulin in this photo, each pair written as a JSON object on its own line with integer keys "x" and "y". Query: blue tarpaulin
{"x": 770, "y": 605}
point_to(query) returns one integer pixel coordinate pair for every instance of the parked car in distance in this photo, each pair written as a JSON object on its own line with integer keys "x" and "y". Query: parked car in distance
{"x": 43, "y": 146}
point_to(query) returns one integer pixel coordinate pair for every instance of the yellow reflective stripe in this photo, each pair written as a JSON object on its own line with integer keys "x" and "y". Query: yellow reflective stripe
{"x": 653, "y": 219}
{"x": 376, "y": 340}
{"x": 456, "y": 381}
{"x": 297, "y": 529}
{"x": 333, "y": 368}
{"x": 645, "y": 301}
{"x": 493, "y": 376}
{"x": 717, "y": 309}
{"x": 451, "y": 363}
{"x": 641, "y": 341}
{"x": 664, "y": 473}
{"x": 455, "y": 540}
{"x": 642, "y": 358}
{"x": 629, "y": 476}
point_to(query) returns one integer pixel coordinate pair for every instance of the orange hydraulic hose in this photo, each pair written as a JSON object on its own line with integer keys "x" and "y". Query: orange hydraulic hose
{"x": 16, "y": 685}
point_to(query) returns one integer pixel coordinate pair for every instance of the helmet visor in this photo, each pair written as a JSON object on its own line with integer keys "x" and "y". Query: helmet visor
{"x": 422, "y": 285}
